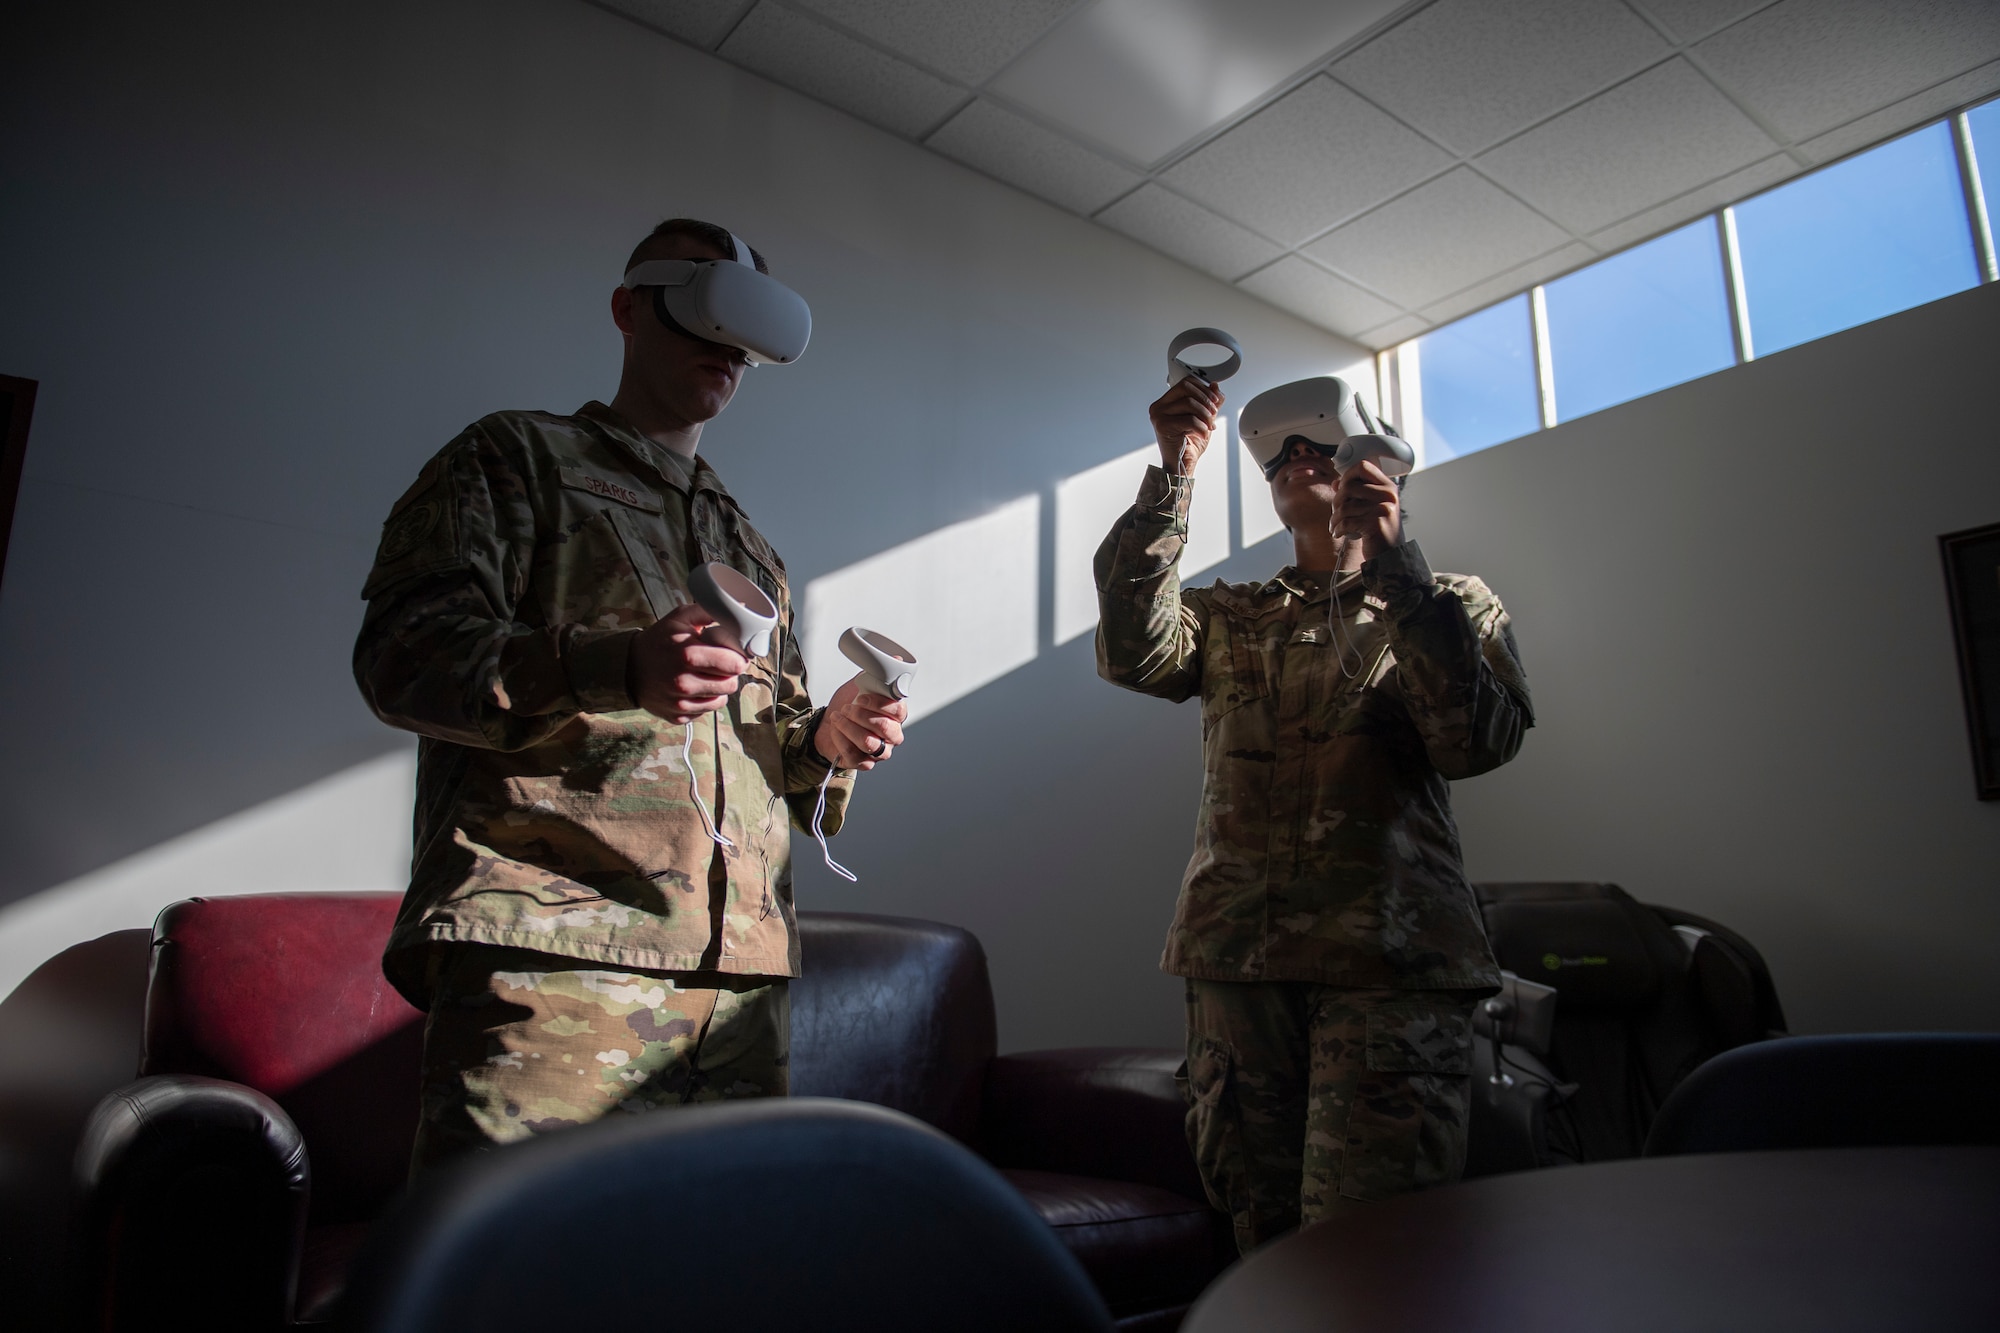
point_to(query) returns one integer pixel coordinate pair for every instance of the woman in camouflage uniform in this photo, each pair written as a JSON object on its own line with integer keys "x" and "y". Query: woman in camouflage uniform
{"x": 1332, "y": 948}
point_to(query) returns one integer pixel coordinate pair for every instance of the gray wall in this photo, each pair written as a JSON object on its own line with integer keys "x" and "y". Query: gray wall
{"x": 1732, "y": 607}
{"x": 264, "y": 259}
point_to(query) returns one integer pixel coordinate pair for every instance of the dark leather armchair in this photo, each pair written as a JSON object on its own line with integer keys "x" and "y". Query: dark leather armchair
{"x": 273, "y": 1120}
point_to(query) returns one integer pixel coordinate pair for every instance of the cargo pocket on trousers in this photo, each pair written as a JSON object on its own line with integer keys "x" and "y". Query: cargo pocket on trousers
{"x": 1214, "y": 1127}
{"x": 1407, "y": 1129}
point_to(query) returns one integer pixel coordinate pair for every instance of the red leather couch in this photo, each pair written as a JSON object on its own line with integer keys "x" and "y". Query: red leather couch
{"x": 230, "y": 1186}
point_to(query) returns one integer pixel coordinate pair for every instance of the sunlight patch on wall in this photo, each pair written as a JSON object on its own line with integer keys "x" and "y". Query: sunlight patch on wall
{"x": 1255, "y": 515}
{"x": 965, "y": 599}
{"x": 1088, "y": 503}
{"x": 343, "y": 834}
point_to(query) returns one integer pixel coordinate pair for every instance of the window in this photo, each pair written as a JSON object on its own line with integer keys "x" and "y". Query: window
{"x": 1864, "y": 238}
{"x": 1477, "y": 380}
{"x": 1639, "y": 321}
{"x": 1902, "y": 224}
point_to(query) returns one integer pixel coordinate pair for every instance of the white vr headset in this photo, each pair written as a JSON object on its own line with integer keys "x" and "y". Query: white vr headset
{"x": 1328, "y": 414}
{"x": 728, "y": 301}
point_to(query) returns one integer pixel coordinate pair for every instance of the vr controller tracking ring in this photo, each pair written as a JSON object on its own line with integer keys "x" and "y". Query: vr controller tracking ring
{"x": 1178, "y": 370}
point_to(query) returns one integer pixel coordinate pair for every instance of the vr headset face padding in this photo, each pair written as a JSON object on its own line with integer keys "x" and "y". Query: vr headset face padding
{"x": 728, "y": 301}
{"x": 1325, "y": 410}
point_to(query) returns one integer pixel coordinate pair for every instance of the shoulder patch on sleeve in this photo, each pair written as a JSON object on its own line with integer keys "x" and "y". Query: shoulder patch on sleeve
{"x": 407, "y": 528}
{"x": 1480, "y": 603}
{"x": 420, "y": 535}
{"x": 1496, "y": 634}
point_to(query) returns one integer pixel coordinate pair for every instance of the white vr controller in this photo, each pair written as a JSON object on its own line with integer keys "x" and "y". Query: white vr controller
{"x": 745, "y": 615}
{"x": 887, "y": 667}
{"x": 1393, "y": 456}
{"x": 1178, "y": 370}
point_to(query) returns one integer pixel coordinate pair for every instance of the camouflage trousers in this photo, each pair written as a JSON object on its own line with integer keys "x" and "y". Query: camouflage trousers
{"x": 1301, "y": 1094}
{"x": 519, "y": 1043}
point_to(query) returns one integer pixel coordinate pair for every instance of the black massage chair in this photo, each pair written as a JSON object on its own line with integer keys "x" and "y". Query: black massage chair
{"x": 1609, "y": 1004}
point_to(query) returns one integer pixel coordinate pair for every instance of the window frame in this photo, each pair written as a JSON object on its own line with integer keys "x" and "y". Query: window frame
{"x": 1399, "y": 371}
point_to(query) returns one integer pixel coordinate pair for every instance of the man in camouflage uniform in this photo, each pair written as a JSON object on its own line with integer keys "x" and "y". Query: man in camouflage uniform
{"x": 1332, "y": 948}
{"x": 580, "y": 942}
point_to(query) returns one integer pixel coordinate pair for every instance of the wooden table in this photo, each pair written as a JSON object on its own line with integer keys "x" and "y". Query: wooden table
{"x": 1888, "y": 1240}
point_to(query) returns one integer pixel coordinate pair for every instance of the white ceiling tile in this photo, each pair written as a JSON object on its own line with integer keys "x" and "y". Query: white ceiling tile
{"x": 1398, "y": 330}
{"x": 1704, "y": 199}
{"x": 1905, "y": 115}
{"x": 994, "y": 140}
{"x": 968, "y": 42}
{"x": 1441, "y": 236}
{"x": 1311, "y": 159}
{"x": 1643, "y": 142}
{"x": 1689, "y": 20}
{"x": 804, "y": 54}
{"x": 1188, "y": 232}
{"x": 1810, "y": 65}
{"x": 1471, "y": 72}
{"x": 700, "y": 23}
{"x": 1574, "y": 255}
{"x": 1143, "y": 77}
{"x": 1313, "y": 294}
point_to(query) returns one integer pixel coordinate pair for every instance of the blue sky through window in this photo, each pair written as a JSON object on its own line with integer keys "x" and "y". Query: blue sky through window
{"x": 1639, "y": 321}
{"x": 1478, "y": 381}
{"x": 1878, "y": 233}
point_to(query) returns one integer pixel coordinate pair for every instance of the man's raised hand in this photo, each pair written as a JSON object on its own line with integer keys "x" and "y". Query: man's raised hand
{"x": 676, "y": 674}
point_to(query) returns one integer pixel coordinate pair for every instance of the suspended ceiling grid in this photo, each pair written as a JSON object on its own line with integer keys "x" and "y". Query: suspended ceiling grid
{"x": 1375, "y": 167}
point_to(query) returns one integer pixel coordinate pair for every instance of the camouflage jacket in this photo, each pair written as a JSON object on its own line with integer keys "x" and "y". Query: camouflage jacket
{"x": 552, "y": 814}
{"x": 1325, "y": 849}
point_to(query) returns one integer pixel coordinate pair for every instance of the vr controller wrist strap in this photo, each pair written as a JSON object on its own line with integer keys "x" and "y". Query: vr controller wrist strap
{"x": 819, "y": 806}
{"x": 819, "y": 816}
{"x": 694, "y": 788}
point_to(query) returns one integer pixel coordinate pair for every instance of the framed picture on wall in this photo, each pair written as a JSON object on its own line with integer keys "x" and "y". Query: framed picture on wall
{"x": 1972, "y": 583}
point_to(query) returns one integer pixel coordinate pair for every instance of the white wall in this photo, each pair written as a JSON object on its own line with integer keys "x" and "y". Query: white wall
{"x": 1732, "y": 608}
{"x": 264, "y": 259}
